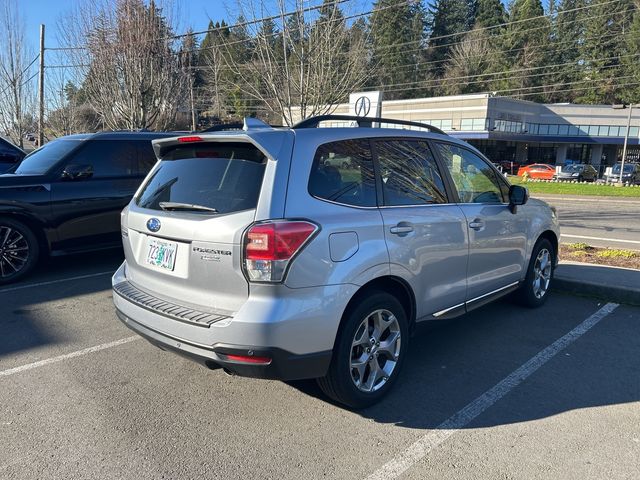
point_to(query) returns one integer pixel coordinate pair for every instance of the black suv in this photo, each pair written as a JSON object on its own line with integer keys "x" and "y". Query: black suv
{"x": 9, "y": 155}
{"x": 66, "y": 197}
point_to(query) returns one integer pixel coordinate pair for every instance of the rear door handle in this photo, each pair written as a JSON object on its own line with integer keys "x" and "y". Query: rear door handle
{"x": 401, "y": 229}
{"x": 476, "y": 224}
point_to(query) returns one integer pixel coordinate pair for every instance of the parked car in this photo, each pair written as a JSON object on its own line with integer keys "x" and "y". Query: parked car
{"x": 577, "y": 172}
{"x": 9, "y": 155}
{"x": 540, "y": 171}
{"x": 67, "y": 196}
{"x": 630, "y": 174}
{"x": 245, "y": 251}
{"x": 508, "y": 166}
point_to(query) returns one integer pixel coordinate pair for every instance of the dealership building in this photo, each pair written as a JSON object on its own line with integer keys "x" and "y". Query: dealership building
{"x": 510, "y": 130}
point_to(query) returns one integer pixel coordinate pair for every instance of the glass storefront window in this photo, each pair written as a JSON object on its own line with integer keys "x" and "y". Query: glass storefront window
{"x": 544, "y": 129}
{"x": 553, "y": 129}
{"x": 466, "y": 124}
{"x": 563, "y": 129}
{"x": 478, "y": 124}
{"x": 603, "y": 131}
{"x": 574, "y": 130}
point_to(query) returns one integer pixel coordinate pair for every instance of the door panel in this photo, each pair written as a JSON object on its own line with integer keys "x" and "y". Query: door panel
{"x": 431, "y": 256}
{"x": 497, "y": 241}
{"x": 426, "y": 236}
{"x": 497, "y": 237}
{"x": 87, "y": 210}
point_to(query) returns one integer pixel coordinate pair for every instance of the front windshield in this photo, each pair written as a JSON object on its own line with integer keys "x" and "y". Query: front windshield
{"x": 628, "y": 168}
{"x": 572, "y": 168}
{"x": 41, "y": 160}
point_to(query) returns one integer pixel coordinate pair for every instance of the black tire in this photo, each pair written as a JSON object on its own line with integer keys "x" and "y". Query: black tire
{"x": 339, "y": 384}
{"x": 19, "y": 250}
{"x": 527, "y": 294}
{"x": 580, "y": 179}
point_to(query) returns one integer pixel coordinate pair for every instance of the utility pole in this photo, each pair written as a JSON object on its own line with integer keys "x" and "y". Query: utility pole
{"x": 41, "y": 90}
{"x": 626, "y": 140}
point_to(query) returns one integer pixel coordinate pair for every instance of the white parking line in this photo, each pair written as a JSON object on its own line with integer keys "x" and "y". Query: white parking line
{"x": 51, "y": 282}
{"x": 67, "y": 356}
{"x": 601, "y": 238}
{"x": 460, "y": 419}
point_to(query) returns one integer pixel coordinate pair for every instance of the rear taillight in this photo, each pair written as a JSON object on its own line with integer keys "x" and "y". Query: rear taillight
{"x": 270, "y": 246}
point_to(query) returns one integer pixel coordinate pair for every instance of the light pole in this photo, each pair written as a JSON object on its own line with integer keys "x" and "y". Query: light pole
{"x": 626, "y": 137}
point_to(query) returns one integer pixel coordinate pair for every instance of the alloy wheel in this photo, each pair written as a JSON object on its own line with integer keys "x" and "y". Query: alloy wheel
{"x": 14, "y": 251}
{"x": 542, "y": 273}
{"x": 375, "y": 350}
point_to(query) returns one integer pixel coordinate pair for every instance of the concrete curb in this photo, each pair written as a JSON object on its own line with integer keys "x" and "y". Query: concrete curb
{"x": 611, "y": 293}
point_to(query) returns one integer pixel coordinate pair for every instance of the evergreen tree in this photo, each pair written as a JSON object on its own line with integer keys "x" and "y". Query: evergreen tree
{"x": 396, "y": 32}
{"x": 447, "y": 18}
{"x": 490, "y": 13}
{"x": 601, "y": 51}
{"x": 631, "y": 59}
{"x": 567, "y": 37}
{"x": 527, "y": 40}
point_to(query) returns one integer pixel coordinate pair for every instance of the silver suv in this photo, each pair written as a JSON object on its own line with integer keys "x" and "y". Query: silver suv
{"x": 258, "y": 252}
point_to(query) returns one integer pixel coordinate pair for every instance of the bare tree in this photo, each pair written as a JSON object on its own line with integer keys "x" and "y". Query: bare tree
{"x": 17, "y": 75}
{"x": 302, "y": 65}
{"x": 131, "y": 69}
{"x": 471, "y": 58}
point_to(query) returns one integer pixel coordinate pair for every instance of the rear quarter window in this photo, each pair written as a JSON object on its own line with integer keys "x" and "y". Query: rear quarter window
{"x": 224, "y": 176}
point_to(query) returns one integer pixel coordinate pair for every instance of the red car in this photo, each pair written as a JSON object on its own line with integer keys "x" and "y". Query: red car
{"x": 538, "y": 170}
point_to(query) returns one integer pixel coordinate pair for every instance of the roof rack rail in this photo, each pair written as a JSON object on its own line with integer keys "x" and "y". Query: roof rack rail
{"x": 313, "y": 122}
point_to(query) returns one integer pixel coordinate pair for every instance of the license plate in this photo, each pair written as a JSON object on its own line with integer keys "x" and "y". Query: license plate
{"x": 161, "y": 254}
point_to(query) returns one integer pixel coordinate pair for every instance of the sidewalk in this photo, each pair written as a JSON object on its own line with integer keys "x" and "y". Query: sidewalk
{"x": 614, "y": 284}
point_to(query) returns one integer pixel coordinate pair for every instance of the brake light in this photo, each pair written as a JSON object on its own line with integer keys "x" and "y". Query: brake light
{"x": 189, "y": 139}
{"x": 269, "y": 247}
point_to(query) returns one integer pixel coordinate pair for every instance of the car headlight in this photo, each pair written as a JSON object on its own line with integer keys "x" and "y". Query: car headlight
{"x": 575, "y": 174}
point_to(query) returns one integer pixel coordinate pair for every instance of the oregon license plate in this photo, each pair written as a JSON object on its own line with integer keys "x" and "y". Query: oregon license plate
{"x": 161, "y": 253}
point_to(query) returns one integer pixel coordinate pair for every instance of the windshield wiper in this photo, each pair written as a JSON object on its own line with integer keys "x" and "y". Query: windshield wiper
{"x": 185, "y": 206}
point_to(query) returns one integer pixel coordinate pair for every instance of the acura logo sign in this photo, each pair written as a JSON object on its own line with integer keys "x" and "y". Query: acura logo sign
{"x": 363, "y": 106}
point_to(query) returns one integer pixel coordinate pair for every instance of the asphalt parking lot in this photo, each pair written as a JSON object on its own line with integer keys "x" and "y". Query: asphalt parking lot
{"x": 503, "y": 392}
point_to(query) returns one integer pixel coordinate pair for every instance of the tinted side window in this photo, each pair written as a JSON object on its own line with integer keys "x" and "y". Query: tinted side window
{"x": 475, "y": 180}
{"x": 409, "y": 172}
{"x": 343, "y": 172}
{"x": 146, "y": 157}
{"x": 109, "y": 158}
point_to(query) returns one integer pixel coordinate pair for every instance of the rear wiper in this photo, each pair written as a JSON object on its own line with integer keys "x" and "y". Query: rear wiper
{"x": 185, "y": 206}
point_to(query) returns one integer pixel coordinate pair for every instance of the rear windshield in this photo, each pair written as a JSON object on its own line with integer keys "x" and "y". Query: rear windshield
{"x": 221, "y": 176}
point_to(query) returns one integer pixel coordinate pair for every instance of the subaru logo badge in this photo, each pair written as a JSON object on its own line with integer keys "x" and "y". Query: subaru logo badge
{"x": 153, "y": 224}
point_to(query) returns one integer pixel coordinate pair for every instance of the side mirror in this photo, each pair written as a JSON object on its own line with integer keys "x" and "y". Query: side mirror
{"x": 517, "y": 196}
{"x": 77, "y": 172}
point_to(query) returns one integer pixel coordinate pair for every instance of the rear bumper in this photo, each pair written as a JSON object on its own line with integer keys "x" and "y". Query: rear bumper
{"x": 283, "y": 366}
{"x": 295, "y": 328}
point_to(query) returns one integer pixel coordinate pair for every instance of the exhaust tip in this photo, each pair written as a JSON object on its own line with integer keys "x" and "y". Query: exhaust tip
{"x": 228, "y": 372}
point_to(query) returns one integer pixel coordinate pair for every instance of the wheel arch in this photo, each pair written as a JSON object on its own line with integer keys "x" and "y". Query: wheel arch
{"x": 552, "y": 237}
{"x": 391, "y": 284}
{"x": 34, "y": 225}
